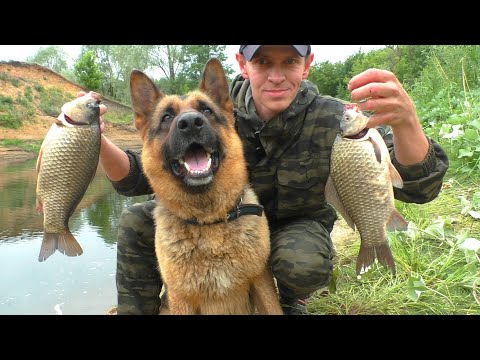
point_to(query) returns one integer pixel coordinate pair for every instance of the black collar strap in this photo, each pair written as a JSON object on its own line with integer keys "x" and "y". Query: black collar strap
{"x": 237, "y": 211}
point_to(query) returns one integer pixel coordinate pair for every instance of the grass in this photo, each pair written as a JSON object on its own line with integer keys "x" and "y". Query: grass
{"x": 119, "y": 117}
{"x": 27, "y": 145}
{"x": 434, "y": 275}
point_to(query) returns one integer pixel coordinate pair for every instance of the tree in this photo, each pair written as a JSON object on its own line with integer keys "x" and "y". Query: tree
{"x": 327, "y": 76}
{"x": 52, "y": 57}
{"x": 116, "y": 62}
{"x": 194, "y": 59}
{"x": 87, "y": 72}
{"x": 168, "y": 59}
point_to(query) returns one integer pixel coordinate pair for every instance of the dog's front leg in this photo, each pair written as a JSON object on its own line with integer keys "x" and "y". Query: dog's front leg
{"x": 178, "y": 305}
{"x": 265, "y": 296}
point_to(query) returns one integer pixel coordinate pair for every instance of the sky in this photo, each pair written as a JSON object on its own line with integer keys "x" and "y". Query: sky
{"x": 332, "y": 53}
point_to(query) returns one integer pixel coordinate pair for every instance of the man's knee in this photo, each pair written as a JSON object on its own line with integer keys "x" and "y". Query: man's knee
{"x": 136, "y": 225}
{"x": 302, "y": 258}
{"x": 136, "y": 245}
{"x": 303, "y": 276}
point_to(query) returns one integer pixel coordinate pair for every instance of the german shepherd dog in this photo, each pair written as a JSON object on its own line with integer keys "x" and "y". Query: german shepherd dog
{"x": 212, "y": 240}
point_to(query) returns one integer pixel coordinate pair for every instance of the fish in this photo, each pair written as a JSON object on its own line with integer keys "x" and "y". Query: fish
{"x": 360, "y": 187}
{"x": 66, "y": 165}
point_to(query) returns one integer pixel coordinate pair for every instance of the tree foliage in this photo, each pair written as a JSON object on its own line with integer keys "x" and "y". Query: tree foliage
{"x": 52, "y": 57}
{"x": 116, "y": 62}
{"x": 195, "y": 57}
{"x": 87, "y": 72}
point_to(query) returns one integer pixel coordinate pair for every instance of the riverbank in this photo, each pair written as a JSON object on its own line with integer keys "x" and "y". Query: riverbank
{"x": 125, "y": 136}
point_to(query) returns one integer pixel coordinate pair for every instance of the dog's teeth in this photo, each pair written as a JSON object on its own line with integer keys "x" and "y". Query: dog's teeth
{"x": 186, "y": 166}
{"x": 181, "y": 161}
{"x": 209, "y": 162}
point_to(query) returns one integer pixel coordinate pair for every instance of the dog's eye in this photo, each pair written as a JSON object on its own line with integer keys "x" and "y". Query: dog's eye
{"x": 207, "y": 111}
{"x": 166, "y": 117}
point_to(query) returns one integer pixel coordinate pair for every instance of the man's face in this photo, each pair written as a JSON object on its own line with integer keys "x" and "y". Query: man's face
{"x": 275, "y": 74}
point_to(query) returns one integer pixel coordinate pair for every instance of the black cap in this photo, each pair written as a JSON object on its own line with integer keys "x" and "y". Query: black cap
{"x": 249, "y": 50}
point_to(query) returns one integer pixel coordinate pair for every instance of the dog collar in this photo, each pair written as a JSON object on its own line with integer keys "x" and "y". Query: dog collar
{"x": 239, "y": 210}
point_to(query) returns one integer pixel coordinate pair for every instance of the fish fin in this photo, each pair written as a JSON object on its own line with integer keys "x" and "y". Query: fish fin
{"x": 397, "y": 222}
{"x": 68, "y": 245}
{"x": 395, "y": 176}
{"x": 366, "y": 257}
{"x": 331, "y": 196}
{"x": 377, "y": 150}
{"x": 385, "y": 257}
{"x": 49, "y": 245}
{"x": 39, "y": 205}
{"x": 39, "y": 160}
{"x": 65, "y": 243}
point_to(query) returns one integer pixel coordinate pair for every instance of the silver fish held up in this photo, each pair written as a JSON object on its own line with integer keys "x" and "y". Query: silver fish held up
{"x": 360, "y": 187}
{"x": 66, "y": 165}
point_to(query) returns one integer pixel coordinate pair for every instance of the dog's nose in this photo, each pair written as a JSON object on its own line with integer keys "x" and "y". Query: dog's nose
{"x": 190, "y": 122}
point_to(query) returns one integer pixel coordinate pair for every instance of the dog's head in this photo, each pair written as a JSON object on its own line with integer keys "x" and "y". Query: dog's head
{"x": 189, "y": 142}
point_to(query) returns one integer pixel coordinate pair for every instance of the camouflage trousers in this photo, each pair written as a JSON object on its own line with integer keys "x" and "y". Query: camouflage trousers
{"x": 301, "y": 260}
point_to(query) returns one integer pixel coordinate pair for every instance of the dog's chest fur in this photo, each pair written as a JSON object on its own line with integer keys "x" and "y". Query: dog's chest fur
{"x": 213, "y": 259}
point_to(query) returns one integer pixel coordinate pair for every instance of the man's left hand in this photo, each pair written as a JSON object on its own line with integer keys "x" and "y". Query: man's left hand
{"x": 380, "y": 92}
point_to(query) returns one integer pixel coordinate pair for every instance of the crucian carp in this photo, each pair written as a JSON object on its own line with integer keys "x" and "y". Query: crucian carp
{"x": 66, "y": 165}
{"x": 360, "y": 187}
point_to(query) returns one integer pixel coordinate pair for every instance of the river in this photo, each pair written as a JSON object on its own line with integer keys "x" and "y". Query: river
{"x": 60, "y": 285}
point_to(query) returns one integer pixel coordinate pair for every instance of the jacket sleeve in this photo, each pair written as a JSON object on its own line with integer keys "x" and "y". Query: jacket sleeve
{"x": 135, "y": 183}
{"x": 422, "y": 182}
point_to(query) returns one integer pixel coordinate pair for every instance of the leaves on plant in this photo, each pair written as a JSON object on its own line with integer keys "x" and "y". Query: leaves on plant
{"x": 470, "y": 244}
{"x": 415, "y": 287}
{"x": 441, "y": 228}
{"x": 474, "y": 214}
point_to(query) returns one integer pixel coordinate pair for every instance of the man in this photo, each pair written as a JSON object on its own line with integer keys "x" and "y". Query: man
{"x": 287, "y": 130}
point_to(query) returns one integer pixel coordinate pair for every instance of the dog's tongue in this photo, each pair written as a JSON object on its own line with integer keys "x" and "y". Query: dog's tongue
{"x": 197, "y": 159}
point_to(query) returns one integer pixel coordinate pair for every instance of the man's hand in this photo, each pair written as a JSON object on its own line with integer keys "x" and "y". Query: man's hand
{"x": 380, "y": 91}
{"x": 103, "y": 110}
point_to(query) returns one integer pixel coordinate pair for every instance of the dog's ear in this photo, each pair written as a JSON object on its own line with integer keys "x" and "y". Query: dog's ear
{"x": 145, "y": 96}
{"x": 214, "y": 84}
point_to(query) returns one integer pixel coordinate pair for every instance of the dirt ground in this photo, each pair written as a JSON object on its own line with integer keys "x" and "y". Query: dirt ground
{"x": 26, "y": 74}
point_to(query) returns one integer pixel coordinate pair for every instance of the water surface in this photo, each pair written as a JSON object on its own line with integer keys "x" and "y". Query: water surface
{"x": 60, "y": 285}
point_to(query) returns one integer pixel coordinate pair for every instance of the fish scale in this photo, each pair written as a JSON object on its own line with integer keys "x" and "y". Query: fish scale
{"x": 357, "y": 189}
{"x": 360, "y": 187}
{"x": 66, "y": 165}
{"x": 67, "y": 168}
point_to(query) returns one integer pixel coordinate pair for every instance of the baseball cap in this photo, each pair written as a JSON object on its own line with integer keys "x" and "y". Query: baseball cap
{"x": 249, "y": 50}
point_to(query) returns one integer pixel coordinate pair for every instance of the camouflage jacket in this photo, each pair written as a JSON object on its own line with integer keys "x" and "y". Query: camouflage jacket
{"x": 289, "y": 157}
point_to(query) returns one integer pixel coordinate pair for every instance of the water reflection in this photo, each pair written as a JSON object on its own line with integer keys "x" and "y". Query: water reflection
{"x": 68, "y": 285}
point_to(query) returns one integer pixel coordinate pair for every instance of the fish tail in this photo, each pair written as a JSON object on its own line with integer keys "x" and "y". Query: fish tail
{"x": 366, "y": 257}
{"x": 385, "y": 257}
{"x": 65, "y": 243}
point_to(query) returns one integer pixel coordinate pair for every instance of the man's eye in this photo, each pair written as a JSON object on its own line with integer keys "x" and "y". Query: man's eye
{"x": 291, "y": 61}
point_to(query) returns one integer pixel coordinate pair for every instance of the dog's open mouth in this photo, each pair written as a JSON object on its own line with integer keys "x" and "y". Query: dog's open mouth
{"x": 197, "y": 166}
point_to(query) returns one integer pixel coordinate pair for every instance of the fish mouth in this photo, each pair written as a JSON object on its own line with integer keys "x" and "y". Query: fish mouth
{"x": 197, "y": 166}
{"x": 85, "y": 112}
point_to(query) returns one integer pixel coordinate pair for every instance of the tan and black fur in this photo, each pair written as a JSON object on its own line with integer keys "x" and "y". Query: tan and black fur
{"x": 211, "y": 267}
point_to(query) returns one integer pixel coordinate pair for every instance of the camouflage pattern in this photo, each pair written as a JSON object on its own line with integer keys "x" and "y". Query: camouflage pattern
{"x": 289, "y": 162}
{"x": 301, "y": 257}
{"x": 138, "y": 278}
{"x": 289, "y": 156}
